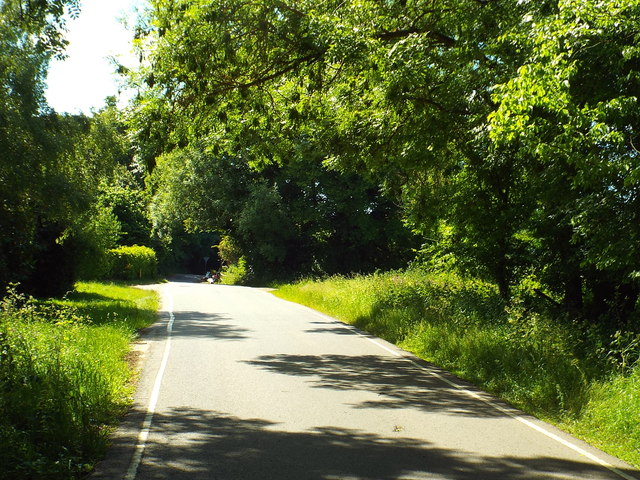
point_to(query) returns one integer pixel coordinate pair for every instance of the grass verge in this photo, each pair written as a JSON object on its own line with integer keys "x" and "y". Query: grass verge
{"x": 546, "y": 366}
{"x": 64, "y": 380}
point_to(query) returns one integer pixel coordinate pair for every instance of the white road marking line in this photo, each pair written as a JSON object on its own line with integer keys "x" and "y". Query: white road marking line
{"x": 384, "y": 347}
{"x": 501, "y": 409}
{"x": 146, "y": 425}
{"x": 352, "y": 329}
{"x": 526, "y": 422}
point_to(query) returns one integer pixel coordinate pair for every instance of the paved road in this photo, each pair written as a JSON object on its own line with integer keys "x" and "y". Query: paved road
{"x": 239, "y": 385}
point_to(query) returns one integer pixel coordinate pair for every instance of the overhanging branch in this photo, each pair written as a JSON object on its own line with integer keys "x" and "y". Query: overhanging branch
{"x": 437, "y": 36}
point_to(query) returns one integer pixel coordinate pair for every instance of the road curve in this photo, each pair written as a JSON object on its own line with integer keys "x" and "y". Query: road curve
{"x": 237, "y": 384}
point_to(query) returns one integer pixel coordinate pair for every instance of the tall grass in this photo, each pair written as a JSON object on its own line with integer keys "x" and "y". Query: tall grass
{"x": 64, "y": 380}
{"x": 610, "y": 419}
{"x": 547, "y": 366}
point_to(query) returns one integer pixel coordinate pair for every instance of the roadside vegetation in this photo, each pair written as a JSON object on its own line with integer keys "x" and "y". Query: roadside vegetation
{"x": 581, "y": 378}
{"x": 64, "y": 376}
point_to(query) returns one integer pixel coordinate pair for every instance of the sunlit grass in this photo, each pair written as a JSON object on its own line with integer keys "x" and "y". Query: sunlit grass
{"x": 611, "y": 418}
{"x": 106, "y": 303}
{"x": 64, "y": 378}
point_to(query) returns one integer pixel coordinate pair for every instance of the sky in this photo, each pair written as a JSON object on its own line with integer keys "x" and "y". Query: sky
{"x": 83, "y": 81}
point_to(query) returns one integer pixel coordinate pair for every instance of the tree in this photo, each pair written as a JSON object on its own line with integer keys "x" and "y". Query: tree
{"x": 284, "y": 219}
{"x": 506, "y": 130}
{"x": 30, "y": 34}
{"x": 116, "y": 212}
{"x": 398, "y": 91}
{"x": 571, "y": 112}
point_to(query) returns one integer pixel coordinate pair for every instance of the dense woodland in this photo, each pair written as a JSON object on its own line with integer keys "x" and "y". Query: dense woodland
{"x": 494, "y": 138}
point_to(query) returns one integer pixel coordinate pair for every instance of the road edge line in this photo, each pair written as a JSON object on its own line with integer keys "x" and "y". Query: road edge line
{"x": 155, "y": 393}
{"x": 524, "y": 421}
{"x": 405, "y": 355}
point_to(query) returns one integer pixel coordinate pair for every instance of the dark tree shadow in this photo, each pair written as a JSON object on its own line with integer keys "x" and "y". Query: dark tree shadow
{"x": 217, "y": 326}
{"x": 334, "y": 328}
{"x": 194, "y": 444}
{"x": 397, "y": 383}
{"x": 185, "y": 278}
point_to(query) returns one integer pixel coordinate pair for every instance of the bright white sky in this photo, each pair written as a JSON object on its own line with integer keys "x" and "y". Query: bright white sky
{"x": 83, "y": 81}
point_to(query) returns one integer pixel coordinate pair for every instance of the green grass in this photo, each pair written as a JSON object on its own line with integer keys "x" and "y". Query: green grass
{"x": 610, "y": 419}
{"x": 545, "y": 366}
{"x": 109, "y": 303}
{"x": 64, "y": 380}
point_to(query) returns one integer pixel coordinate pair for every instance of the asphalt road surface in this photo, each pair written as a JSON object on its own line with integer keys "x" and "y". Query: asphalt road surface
{"x": 237, "y": 384}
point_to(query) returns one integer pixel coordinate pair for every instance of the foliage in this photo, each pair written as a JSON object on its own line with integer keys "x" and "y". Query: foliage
{"x": 115, "y": 205}
{"x": 243, "y": 175}
{"x": 64, "y": 380}
{"x": 283, "y": 219}
{"x": 291, "y": 85}
{"x": 524, "y": 354}
{"x": 52, "y": 226}
{"x": 76, "y": 221}
{"x": 506, "y": 130}
{"x": 228, "y": 251}
{"x": 99, "y": 232}
{"x": 42, "y": 22}
{"x": 570, "y": 115}
{"x": 82, "y": 200}
{"x": 35, "y": 199}
{"x": 133, "y": 263}
{"x": 129, "y": 205}
{"x": 238, "y": 273}
{"x": 194, "y": 189}
{"x": 264, "y": 227}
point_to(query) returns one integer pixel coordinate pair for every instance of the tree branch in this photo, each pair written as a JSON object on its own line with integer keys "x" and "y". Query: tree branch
{"x": 284, "y": 6}
{"x": 436, "y": 105}
{"x": 309, "y": 59}
{"x": 546, "y": 297}
{"x": 439, "y": 37}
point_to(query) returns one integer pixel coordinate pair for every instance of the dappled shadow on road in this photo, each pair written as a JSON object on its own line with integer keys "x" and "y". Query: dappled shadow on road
{"x": 333, "y": 328}
{"x": 397, "y": 383}
{"x": 194, "y": 444}
{"x": 207, "y": 325}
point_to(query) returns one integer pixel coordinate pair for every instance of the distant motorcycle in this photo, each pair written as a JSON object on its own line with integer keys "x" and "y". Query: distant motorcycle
{"x": 211, "y": 278}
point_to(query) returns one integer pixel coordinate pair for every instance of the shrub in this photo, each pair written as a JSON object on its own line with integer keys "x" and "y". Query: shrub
{"x": 229, "y": 251}
{"x": 99, "y": 231}
{"x": 133, "y": 263}
{"x": 237, "y": 274}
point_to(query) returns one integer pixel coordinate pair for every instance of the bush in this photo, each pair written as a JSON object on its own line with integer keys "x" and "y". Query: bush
{"x": 229, "y": 251}
{"x": 133, "y": 263}
{"x": 237, "y": 274}
{"x": 98, "y": 232}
